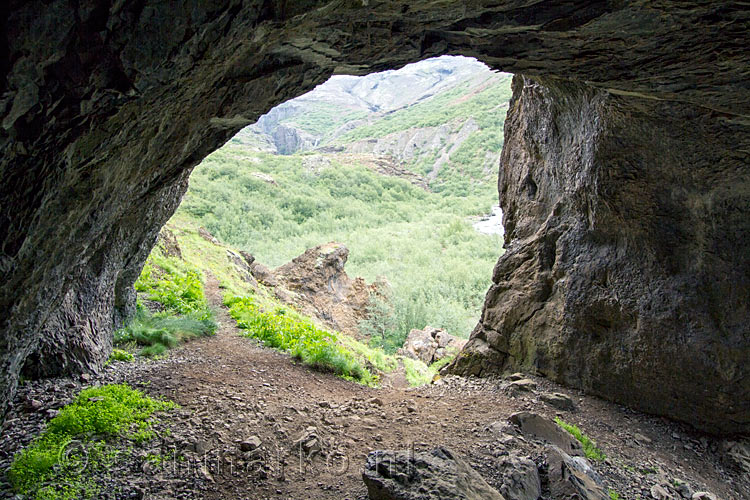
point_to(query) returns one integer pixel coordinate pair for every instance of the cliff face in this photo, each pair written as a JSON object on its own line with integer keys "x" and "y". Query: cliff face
{"x": 626, "y": 198}
{"x": 619, "y": 277}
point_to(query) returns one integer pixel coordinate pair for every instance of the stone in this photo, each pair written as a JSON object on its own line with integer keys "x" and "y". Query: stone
{"x": 539, "y": 427}
{"x": 625, "y": 229}
{"x": 559, "y": 401}
{"x": 641, "y": 439}
{"x": 682, "y": 488}
{"x": 570, "y": 478}
{"x": 201, "y": 446}
{"x": 523, "y": 385}
{"x": 703, "y": 495}
{"x": 430, "y": 344}
{"x": 309, "y": 442}
{"x": 251, "y": 444}
{"x": 520, "y": 479}
{"x": 736, "y": 454}
{"x": 658, "y": 492}
{"x": 435, "y": 475}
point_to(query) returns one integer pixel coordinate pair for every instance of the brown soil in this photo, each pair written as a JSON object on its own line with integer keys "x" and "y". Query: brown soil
{"x": 230, "y": 389}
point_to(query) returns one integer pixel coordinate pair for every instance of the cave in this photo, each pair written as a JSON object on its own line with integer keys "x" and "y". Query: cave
{"x": 624, "y": 178}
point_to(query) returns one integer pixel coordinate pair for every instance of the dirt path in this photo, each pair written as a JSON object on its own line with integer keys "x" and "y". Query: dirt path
{"x": 238, "y": 390}
{"x": 236, "y": 395}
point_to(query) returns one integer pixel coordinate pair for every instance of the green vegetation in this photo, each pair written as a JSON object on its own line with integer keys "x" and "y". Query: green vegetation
{"x": 322, "y": 118}
{"x": 589, "y": 447}
{"x": 178, "y": 288}
{"x": 470, "y": 169}
{"x": 158, "y": 332}
{"x": 417, "y": 373}
{"x": 121, "y": 355}
{"x": 48, "y": 469}
{"x": 613, "y": 495}
{"x": 286, "y": 330}
{"x": 421, "y": 242}
{"x": 174, "y": 284}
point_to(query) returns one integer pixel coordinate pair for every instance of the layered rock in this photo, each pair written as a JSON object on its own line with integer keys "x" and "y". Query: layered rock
{"x": 630, "y": 259}
{"x": 622, "y": 274}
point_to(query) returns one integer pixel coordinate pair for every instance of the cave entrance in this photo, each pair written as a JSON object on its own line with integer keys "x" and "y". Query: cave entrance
{"x": 393, "y": 174}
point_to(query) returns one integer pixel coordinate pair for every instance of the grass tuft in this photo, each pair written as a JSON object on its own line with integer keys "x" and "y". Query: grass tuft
{"x": 158, "y": 332}
{"x": 121, "y": 355}
{"x": 589, "y": 447}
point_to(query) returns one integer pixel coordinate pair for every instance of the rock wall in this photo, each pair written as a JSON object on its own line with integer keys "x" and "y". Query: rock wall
{"x": 623, "y": 273}
{"x": 106, "y": 107}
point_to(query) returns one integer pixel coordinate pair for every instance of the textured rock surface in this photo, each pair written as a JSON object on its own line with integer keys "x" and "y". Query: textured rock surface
{"x": 318, "y": 285}
{"x": 535, "y": 426}
{"x": 106, "y": 108}
{"x": 572, "y": 477}
{"x": 439, "y": 474}
{"x": 430, "y": 344}
{"x": 622, "y": 274}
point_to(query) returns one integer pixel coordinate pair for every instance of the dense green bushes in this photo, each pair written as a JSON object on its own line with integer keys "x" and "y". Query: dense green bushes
{"x": 283, "y": 329}
{"x": 50, "y": 469}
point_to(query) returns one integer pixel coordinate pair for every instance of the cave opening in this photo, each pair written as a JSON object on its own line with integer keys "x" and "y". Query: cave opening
{"x": 624, "y": 185}
{"x": 392, "y": 174}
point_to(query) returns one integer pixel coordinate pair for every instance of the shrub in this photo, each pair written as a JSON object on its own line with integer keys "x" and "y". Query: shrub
{"x": 178, "y": 288}
{"x": 45, "y": 469}
{"x": 589, "y": 447}
{"x": 417, "y": 373}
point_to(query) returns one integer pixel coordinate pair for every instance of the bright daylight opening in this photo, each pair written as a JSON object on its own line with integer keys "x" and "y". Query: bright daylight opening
{"x": 394, "y": 175}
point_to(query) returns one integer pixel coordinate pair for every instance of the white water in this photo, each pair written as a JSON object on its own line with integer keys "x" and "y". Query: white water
{"x": 491, "y": 224}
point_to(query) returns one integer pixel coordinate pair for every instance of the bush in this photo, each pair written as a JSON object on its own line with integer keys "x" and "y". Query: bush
{"x": 45, "y": 470}
{"x": 285, "y": 330}
{"x": 589, "y": 447}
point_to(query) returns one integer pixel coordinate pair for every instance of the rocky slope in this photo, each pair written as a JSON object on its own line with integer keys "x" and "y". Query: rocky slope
{"x": 106, "y": 109}
{"x": 307, "y": 121}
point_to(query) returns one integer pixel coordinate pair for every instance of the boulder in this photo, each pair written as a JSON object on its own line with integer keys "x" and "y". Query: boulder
{"x": 520, "y": 479}
{"x": 736, "y": 454}
{"x": 436, "y": 475}
{"x": 539, "y": 427}
{"x": 559, "y": 401}
{"x": 430, "y": 344}
{"x": 317, "y": 284}
{"x": 572, "y": 477}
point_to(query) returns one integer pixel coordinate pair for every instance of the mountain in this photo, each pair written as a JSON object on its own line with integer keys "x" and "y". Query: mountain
{"x": 441, "y": 118}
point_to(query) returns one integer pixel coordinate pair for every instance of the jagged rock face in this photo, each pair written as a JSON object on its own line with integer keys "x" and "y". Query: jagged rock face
{"x": 106, "y": 108}
{"x": 624, "y": 274}
{"x": 317, "y": 284}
